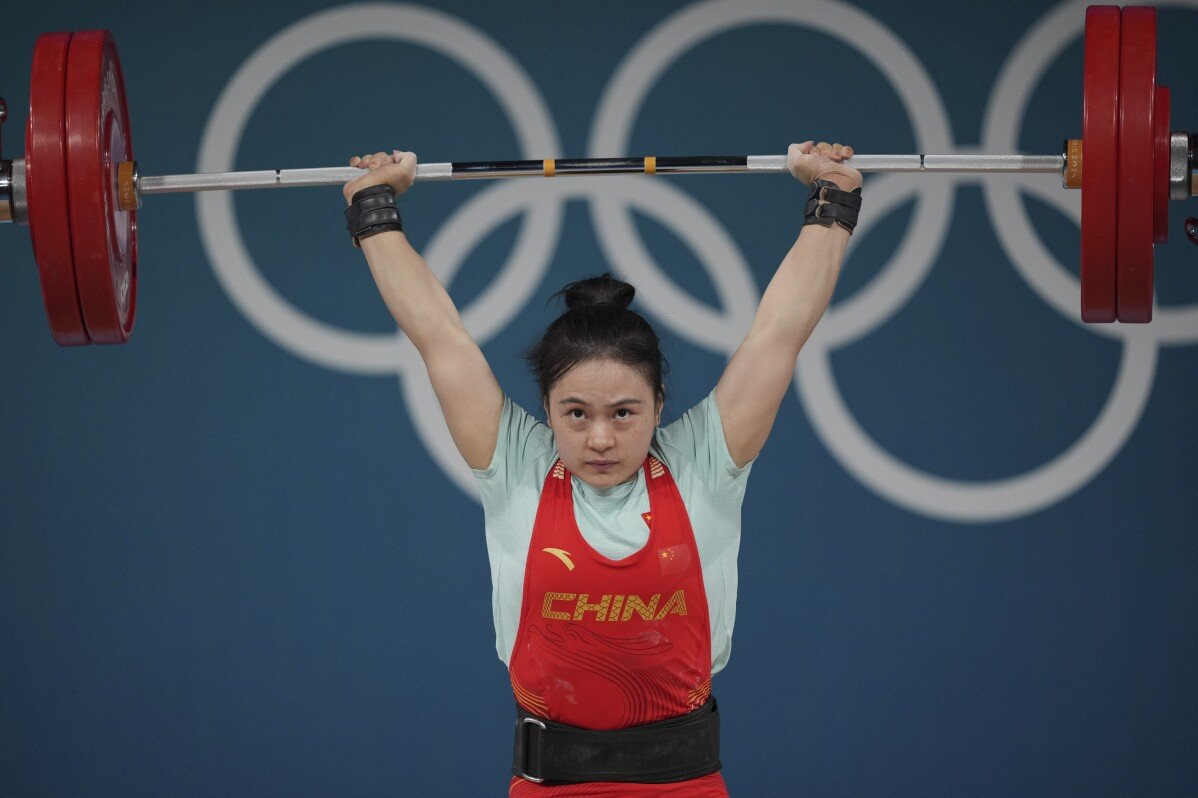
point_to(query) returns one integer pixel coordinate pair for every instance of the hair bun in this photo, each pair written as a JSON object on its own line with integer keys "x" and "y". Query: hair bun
{"x": 597, "y": 291}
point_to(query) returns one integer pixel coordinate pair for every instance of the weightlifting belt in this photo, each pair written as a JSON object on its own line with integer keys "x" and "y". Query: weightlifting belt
{"x": 675, "y": 749}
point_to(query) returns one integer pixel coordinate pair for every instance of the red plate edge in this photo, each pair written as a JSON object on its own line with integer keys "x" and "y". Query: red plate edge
{"x": 95, "y": 217}
{"x": 1137, "y": 135}
{"x": 1100, "y": 137}
{"x": 1160, "y": 167}
{"x": 46, "y": 195}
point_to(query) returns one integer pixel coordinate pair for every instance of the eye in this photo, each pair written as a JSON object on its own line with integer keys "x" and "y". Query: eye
{"x": 576, "y": 413}
{"x": 625, "y": 413}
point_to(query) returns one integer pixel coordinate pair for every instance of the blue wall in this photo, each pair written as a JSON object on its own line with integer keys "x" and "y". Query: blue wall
{"x": 238, "y": 557}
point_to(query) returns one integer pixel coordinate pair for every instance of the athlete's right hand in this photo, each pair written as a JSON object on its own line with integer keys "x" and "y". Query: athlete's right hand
{"x": 397, "y": 169}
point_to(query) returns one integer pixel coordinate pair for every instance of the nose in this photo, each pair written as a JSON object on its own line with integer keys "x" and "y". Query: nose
{"x": 601, "y": 439}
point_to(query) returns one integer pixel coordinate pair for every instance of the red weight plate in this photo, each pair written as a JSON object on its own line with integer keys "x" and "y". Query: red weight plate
{"x": 1160, "y": 167}
{"x": 103, "y": 236}
{"x": 1137, "y": 138}
{"x": 1100, "y": 176}
{"x": 46, "y": 189}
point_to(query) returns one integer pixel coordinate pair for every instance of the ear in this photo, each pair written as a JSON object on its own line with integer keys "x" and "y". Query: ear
{"x": 661, "y": 402}
{"x": 545, "y": 407}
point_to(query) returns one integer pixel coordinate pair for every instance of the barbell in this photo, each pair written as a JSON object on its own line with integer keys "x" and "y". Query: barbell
{"x": 79, "y": 188}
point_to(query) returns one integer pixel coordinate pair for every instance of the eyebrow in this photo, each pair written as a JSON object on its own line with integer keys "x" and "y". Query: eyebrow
{"x": 576, "y": 400}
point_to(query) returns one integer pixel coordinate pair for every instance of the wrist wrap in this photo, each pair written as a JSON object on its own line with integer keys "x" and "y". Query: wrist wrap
{"x": 372, "y": 211}
{"x": 827, "y": 204}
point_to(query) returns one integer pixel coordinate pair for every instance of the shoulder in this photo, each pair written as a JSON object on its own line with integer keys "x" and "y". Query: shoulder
{"x": 523, "y": 444}
{"x": 694, "y": 445}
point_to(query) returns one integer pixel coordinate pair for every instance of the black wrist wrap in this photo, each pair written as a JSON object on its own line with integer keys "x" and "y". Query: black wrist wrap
{"x": 372, "y": 211}
{"x": 826, "y": 204}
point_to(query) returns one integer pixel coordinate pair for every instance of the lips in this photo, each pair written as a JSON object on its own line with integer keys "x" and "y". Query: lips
{"x": 601, "y": 464}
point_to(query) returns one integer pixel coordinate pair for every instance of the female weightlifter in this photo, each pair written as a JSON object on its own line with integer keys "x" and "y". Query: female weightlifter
{"x": 612, "y": 541}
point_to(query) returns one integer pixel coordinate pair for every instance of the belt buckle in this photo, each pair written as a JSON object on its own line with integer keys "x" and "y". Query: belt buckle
{"x": 527, "y": 748}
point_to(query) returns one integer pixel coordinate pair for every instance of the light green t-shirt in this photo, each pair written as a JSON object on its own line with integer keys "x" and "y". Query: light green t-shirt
{"x": 711, "y": 486}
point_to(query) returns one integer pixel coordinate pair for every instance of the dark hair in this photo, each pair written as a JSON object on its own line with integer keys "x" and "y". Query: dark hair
{"x": 597, "y": 324}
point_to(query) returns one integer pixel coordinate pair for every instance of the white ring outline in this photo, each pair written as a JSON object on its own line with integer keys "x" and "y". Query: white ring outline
{"x": 275, "y": 317}
{"x": 643, "y": 66}
{"x": 981, "y": 501}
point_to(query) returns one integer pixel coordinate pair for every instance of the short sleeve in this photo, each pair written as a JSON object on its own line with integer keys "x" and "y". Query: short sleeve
{"x": 521, "y": 440}
{"x": 698, "y": 438}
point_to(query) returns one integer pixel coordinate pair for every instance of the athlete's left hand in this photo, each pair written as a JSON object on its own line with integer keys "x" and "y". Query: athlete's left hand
{"x": 810, "y": 162}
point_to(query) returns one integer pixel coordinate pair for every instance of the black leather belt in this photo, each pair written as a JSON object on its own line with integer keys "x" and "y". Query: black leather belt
{"x": 675, "y": 749}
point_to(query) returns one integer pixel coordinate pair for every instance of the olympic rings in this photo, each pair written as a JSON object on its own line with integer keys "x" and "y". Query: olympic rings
{"x": 718, "y": 330}
{"x": 294, "y": 331}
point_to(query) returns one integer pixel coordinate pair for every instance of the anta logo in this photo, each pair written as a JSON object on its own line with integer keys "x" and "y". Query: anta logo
{"x": 557, "y": 606}
{"x": 564, "y": 556}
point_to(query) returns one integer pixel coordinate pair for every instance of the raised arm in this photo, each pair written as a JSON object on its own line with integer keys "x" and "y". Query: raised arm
{"x": 470, "y": 396}
{"x": 759, "y": 374}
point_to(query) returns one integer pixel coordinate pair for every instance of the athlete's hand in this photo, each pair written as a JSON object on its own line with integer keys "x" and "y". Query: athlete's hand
{"x": 397, "y": 169}
{"x": 810, "y": 162}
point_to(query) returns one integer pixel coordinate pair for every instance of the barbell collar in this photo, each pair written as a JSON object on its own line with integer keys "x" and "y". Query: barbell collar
{"x": 20, "y": 208}
{"x": 1179, "y": 166}
{"x": 7, "y": 213}
{"x": 1193, "y": 167}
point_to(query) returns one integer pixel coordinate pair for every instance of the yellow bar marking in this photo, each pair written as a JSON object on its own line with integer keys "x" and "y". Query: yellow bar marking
{"x": 550, "y": 167}
{"x": 651, "y": 165}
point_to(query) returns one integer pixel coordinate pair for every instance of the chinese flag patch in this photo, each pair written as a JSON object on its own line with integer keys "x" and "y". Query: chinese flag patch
{"x": 648, "y": 519}
{"x": 674, "y": 559}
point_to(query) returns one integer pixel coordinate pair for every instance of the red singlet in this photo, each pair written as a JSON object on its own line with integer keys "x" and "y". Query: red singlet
{"x": 607, "y": 644}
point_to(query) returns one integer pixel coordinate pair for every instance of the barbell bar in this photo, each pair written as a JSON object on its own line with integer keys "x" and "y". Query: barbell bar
{"x": 562, "y": 167}
{"x": 79, "y": 187}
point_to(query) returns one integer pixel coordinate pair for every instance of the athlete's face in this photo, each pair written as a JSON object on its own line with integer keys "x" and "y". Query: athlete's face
{"x": 603, "y": 414}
